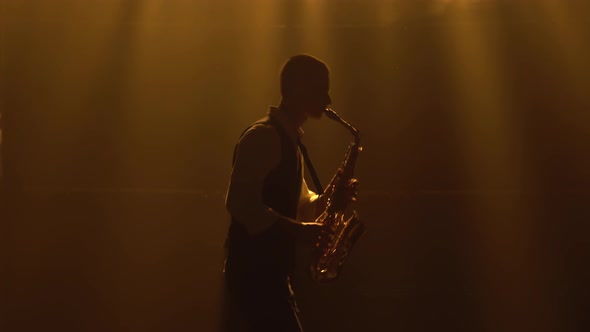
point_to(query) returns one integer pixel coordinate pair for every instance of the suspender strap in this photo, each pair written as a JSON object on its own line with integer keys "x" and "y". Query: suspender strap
{"x": 314, "y": 176}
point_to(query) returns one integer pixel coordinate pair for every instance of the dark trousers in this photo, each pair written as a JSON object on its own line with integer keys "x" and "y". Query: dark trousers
{"x": 261, "y": 307}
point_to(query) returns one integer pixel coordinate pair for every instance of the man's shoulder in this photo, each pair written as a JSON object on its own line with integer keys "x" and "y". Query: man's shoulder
{"x": 261, "y": 127}
{"x": 261, "y": 130}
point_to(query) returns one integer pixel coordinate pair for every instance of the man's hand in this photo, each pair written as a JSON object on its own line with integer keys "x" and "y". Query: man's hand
{"x": 312, "y": 225}
{"x": 311, "y": 230}
{"x": 307, "y": 231}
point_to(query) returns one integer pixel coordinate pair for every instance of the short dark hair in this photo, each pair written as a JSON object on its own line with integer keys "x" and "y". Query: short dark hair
{"x": 298, "y": 70}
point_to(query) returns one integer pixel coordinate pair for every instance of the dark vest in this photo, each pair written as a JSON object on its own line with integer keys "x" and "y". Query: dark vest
{"x": 266, "y": 259}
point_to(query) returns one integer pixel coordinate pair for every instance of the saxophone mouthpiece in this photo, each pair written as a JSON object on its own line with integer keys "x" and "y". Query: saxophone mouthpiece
{"x": 331, "y": 114}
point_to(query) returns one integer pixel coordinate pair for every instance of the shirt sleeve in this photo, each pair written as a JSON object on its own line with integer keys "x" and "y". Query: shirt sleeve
{"x": 257, "y": 153}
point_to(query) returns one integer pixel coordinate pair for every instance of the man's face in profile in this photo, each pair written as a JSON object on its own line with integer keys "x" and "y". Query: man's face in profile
{"x": 317, "y": 96}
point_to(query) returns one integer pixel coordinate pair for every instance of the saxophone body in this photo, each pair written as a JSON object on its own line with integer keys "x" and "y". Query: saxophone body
{"x": 341, "y": 231}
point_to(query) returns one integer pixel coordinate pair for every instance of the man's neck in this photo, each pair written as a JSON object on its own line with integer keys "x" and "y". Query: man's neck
{"x": 295, "y": 115}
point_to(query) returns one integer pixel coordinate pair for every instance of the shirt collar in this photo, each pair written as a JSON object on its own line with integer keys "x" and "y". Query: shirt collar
{"x": 293, "y": 131}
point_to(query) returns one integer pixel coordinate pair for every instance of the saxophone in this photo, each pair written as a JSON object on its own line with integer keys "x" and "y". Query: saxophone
{"x": 336, "y": 239}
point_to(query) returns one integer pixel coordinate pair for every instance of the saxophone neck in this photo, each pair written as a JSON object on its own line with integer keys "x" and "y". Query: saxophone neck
{"x": 334, "y": 116}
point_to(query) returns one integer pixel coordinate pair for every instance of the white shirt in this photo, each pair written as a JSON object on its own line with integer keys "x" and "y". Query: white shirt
{"x": 257, "y": 153}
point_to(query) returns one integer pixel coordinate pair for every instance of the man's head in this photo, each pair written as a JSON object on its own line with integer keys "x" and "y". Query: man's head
{"x": 305, "y": 85}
